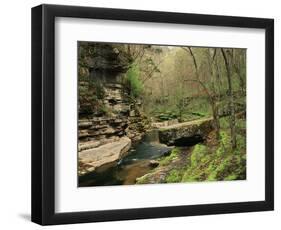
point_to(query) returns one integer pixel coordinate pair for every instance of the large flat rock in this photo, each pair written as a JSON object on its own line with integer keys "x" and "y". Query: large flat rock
{"x": 191, "y": 131}
{"x": 102, "y": 157}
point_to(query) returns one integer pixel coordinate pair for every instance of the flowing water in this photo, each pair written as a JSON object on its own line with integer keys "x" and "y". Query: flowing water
{"x": 134, "y": 165}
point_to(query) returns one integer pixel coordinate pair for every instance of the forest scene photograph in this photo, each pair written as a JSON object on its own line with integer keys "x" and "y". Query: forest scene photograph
{"x": 154, "y": 114}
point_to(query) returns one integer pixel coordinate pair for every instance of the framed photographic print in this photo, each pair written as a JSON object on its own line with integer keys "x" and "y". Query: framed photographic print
{"x": 141, "y": 114}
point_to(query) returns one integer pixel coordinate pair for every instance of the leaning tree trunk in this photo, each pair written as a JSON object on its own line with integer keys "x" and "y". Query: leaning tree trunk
{"x": 231, "y": 101}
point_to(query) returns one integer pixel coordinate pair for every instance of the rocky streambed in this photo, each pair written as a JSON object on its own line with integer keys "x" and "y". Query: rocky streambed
{"x": 138, "y": 161}
{"x": 121, "y": 162}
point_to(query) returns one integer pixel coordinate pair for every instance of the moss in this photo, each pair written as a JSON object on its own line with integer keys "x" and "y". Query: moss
{"x": 174, "y": 176}
{"x": 241, "y": 123}
{"x": 231, "y": 167}
{"x": 207, "y": 162}
{"x": 212, "y": 176}
{"x": 231, "y": 177}
{"x": 143, "y": 179}
{"x": 199, "y": 159}
{"x": 197, "y": 154}
{"x": 224, "y": 144}
{"x": 102, "y": 109}
{"x": 225, "y": 138}
{"x": 219, "y": 164}
{"x": 167, "y": 160}
{"x": 241, "y": 143}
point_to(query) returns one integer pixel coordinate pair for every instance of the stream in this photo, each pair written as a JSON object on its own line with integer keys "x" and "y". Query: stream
{"x": 132, "y": 166}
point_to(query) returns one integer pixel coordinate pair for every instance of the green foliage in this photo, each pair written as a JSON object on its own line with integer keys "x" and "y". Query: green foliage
{"x": 195, "y": 109}
{"x": 133, "y": 82}
{"x": 241, "y": 143}
{"x": 205, "y": 162}
{"x": 222, "y": 164}
{"x": 198, "y": 114}
{"x": 167, "y": 115}
{"x": 225, "y": 142}
{"x": 231, "y": 167}
{"x": 168, "y": 159}
{"x": 102, "y": 109}
{"x": 174, "y": 176}
{"x": 198, "y": 158}
{"x": 241, "y": 124}
{"x": 198, "y": 153}
{"x": 224, "y": 122}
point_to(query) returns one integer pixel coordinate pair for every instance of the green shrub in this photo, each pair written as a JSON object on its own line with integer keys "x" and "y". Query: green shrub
{"x": 133, "y": 82}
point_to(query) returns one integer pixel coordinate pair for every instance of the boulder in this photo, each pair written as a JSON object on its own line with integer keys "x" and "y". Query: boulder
{"x": 153, "y": 163}
{"x": 103, "y": 157}
{"x": 186, "y": 133}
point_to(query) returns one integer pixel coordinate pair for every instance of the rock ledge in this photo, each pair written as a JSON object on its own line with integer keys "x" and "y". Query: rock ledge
{"x": 104, "y": 156}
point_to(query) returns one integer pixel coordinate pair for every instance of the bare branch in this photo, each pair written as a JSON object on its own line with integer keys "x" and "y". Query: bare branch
{"x": 194, "y": 62}
{"x": 203, "y": 86}
{"x": 149, "y": 75}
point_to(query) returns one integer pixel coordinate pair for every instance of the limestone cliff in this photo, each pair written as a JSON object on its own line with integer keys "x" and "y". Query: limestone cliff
{"x": 105, "y": 112}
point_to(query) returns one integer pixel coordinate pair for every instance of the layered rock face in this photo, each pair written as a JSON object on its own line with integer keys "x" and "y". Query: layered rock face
{"x": 107, "y": 120}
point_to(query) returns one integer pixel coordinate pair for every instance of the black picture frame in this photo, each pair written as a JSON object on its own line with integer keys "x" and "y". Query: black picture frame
{"x": 43, "y": 114}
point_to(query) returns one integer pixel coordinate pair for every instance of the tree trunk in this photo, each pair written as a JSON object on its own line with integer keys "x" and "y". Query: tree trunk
{"x": 236, "y": 64}
{"x": 216, "y": 119}
{"x": 231, "y": 100}
{"x": 211, "y": 98}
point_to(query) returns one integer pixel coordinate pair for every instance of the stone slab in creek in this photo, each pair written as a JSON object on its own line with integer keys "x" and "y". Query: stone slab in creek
{"x": 102, "y": 157}
{"x": 185, "y": 131}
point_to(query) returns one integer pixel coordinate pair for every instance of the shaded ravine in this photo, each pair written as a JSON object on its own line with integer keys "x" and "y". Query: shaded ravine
{"x": 134, "y": 165}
